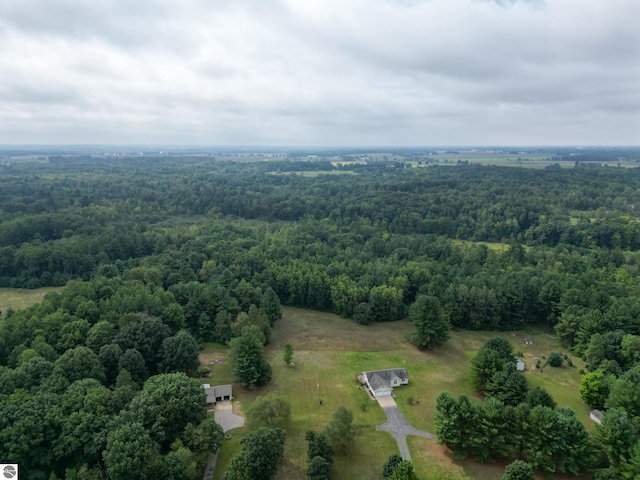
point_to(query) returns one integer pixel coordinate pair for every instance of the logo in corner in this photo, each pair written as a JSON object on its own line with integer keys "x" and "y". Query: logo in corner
{"x": 9, "y": 470}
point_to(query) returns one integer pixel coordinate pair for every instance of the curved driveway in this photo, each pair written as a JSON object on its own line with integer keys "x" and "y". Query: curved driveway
{"x": 398, "y": 426}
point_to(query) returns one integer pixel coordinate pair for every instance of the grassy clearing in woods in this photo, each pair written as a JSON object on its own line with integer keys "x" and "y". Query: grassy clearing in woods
{"x": 328, "y": 353}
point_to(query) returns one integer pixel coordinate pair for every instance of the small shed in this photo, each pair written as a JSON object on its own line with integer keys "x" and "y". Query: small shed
{"x": 596, "y": 416}
{"x": 520, "y": 365}
{"x": 218, "y": 393}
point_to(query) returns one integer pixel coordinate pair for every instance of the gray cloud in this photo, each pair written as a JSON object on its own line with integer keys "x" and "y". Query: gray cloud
{"x": 320, "y": 71}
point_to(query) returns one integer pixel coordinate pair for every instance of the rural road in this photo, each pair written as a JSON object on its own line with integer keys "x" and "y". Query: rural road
{"x": 398, "y": 426}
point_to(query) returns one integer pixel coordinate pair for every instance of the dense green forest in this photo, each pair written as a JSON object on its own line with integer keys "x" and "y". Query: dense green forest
{"x": 163, "y": 253}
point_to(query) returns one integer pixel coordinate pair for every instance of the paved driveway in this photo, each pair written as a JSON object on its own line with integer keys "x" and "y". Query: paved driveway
{"x": 224, "y": 416}
{"x": 398, "y": 426}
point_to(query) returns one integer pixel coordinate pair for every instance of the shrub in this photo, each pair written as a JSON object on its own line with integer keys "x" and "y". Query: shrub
{"x": 555, "y": 359}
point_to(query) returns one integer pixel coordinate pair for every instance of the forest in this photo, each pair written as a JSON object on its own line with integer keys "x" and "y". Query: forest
{"x": 163, "y": 253}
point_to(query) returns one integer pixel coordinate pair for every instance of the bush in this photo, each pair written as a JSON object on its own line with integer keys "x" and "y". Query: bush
{"x": 555, "y": 359}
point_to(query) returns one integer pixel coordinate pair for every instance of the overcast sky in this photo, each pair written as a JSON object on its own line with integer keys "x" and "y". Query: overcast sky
{"x": 320, "y": 72}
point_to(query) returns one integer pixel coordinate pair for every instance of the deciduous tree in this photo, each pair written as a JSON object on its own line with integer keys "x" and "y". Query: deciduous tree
{"x": 250, "y": 368}
{"x": 340, "y": 431}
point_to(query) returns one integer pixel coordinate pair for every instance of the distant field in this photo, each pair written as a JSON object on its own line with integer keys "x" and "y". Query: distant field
{"x": 19, "y": 298}
{"x": 315, "y": 173}
{"x": 330, "y": 351}
{"x": 498, "y": 247}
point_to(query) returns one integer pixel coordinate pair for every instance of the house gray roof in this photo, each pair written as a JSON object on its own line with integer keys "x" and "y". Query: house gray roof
{"x": 382, "y": 378}
{"x": 219, "y": 391}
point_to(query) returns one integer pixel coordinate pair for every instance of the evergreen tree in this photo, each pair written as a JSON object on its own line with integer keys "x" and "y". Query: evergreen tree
{"x": 518, "y": 470}
{"x": 270, "y": 306}
{"x": 431, "y": 324}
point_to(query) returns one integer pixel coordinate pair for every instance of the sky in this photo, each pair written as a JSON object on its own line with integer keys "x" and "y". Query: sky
{"x": 320, "y": 72}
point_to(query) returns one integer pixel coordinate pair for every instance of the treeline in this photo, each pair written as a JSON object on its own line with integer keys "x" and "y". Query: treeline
{"x": 86, "y": 377}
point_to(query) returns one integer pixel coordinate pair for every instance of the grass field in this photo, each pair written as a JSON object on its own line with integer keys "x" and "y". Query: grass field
{"x": 19, "y": 298}
{"x": 330, "y": 351}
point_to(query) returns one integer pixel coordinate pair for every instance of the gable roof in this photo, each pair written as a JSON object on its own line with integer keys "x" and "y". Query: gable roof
{"x": 382, "y": 378}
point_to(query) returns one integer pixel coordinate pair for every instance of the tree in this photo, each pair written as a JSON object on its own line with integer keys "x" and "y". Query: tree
{"x": 508, "y": 385}
{"x": 483, "y": 366}
{"x": 166, "y": 404}
{"x": 206, "y": 437}
{"x": 84, "y": 417}
{"x": 238, "y": 468}
{"x": 539, "y": 396}
{"x": 132, "y": 362}
{"x": 79, "y": 363}
{"x": 131, "y": 453}
{"x": 625, "y": 393}
{"x": 269, "y": 411}
{"x": 145, "y": 334}
{"x": 262, "y": 450}
{"x": 518, "y": 470}
{"x": 604, "y": 474}
{"x": 431, "y": 324}
{"x": 250, "y": 368}
{"x": 594, "y": 389}
{"x": 617, "y": 434}
{"x": 456, "y": 424}
{"x": 390, "y": 465}
{"x": 101, "y": 334}
{"x": 555, "y": 359}
{"x": 404, "y": 471}
{"x": 502, "y": 347}
{"x": 319, "y": 469}
{"x": 270, "y": 306}
{"x": 340, "y": 431}
{"x": 362, "y": 313}
{"x": 179, "y": 354}
{"x": 287, "y": 356}
{"x": 319, "y": 446}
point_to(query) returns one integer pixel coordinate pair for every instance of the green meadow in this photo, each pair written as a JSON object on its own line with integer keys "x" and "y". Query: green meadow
{"x": 20, "y": 298}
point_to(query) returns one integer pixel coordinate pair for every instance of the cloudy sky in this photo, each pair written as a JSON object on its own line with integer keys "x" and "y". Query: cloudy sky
{"x": 320, "y": 72}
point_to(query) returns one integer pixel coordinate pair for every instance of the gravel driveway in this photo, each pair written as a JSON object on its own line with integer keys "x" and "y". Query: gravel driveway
{"x": 398, "y": 426}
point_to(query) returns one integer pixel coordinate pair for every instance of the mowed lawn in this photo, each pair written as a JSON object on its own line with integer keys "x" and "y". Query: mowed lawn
{"x": 328, "y": 353}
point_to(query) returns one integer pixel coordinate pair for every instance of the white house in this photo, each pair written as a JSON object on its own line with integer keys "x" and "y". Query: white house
{"x": 382, "y": 382}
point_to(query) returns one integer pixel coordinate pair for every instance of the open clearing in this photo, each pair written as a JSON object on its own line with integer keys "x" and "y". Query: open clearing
{"x": 20, "y": 298}
{"x": 329, "y": 351}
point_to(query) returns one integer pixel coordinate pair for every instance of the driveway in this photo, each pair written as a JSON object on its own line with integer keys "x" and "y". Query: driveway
{"x": 398, "y": 426}
{"x": 224, "y": 416}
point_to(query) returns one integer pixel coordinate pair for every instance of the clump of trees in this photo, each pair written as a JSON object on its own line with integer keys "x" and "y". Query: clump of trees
{"x": 261, "y": 451}
{"x": 551, "y": 440}
{"x": 493, "y": 371}
{"x": 319, "y": 456}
